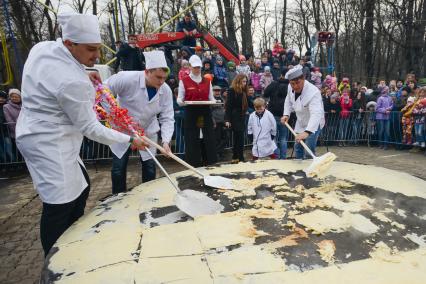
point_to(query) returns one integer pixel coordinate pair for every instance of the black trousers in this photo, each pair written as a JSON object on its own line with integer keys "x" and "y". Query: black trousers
{"x": 57, "y": 218}
{"x": 119, "y": 172}
{"x": 238, "y": 149}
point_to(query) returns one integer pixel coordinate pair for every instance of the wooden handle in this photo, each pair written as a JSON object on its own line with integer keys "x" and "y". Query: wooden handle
{"x": 173, "y": 156}
{"x": 301, "y": 141}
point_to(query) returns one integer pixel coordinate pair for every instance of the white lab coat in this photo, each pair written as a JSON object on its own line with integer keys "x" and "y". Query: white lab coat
{"x": 130, "y": 88}
{"x": 262, "y": 129}
{"x": 57, "y": 110}
{"x": 308, "y": 107}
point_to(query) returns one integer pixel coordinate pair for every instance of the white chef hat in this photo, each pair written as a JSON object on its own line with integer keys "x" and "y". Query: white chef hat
{"x": 195, "y": 61}
{"x": 80, "y": 28}
{"x": 294, "y": 72}
{"x": 155, "y": 59}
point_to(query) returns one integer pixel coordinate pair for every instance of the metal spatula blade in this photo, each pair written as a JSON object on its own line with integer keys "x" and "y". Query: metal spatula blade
{"x": 218, "y": 182}
{"x": 196, "y": 203}
{"x": 191, "y": 202}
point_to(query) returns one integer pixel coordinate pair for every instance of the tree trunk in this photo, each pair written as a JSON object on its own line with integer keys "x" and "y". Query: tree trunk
{"x": 230, "y": 24}
{"x": 409, "y": 37}
{"x": 368, "y": 43}
{"x": 221, "y": 19}
{"x": 94, "y": 7}
{"x": 284, "y": 23}
{"x": 246, "y": 28}
{"x": 419, "y": 40}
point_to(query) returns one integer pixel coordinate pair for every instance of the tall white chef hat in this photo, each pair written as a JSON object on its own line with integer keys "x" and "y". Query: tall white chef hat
{"x": 294, "y": 72}
{"x": 80, "y": 28}
{"x": 195, "y": 61}
{"x": 155, "y": 59}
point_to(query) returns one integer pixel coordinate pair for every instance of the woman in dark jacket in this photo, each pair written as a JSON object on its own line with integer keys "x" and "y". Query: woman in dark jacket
{"x": 235, "y": 115}
{"x": 358, "y": 109}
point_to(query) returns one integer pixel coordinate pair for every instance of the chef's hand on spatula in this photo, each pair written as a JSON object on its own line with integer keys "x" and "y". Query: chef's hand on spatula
{"x": 301, "y": 136}
{"x": 166, "y": 149}
{"x": 139, "y": 143}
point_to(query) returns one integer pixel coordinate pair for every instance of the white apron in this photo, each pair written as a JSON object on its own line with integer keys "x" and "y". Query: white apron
{"x": 57, "y": 110}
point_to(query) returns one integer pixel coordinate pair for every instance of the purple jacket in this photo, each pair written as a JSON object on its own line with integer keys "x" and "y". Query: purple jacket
{"x": 384, "y": 103}
{"x": 255, "y": 80}
{"x": 11, "y": 113}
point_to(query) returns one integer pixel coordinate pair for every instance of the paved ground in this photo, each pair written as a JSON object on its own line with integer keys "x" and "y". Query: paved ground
{"x": 21, "y": 255}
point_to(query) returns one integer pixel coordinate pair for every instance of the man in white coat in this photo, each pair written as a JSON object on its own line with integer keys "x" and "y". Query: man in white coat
{"x": 57, "y": 111}
{"x": 305, "y": 100}
{"x": 146, "y": 95}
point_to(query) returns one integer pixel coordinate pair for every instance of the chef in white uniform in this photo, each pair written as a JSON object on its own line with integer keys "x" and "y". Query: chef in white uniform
{"x": 57, "y": 111}
{"x": 146, "y": 95}
{"x": 305, "y": 100}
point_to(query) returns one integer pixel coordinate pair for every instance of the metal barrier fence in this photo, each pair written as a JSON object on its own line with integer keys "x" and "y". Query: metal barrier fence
{"x": 355, "y": 128}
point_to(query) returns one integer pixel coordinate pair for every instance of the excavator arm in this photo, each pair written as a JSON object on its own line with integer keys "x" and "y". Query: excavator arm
{"x": 146, "y": 40}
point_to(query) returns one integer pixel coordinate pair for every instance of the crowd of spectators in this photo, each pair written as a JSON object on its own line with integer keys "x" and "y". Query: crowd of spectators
{"x": 388, "y": 113}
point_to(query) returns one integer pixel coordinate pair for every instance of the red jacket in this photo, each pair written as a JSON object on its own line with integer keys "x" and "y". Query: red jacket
{"x": 346, "y": 108}
{"x": 196, "y": 91}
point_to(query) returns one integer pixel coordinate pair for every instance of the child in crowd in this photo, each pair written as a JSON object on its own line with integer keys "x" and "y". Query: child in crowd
{"x": 199, "y": 51}
{"x": 407, "y": 121}
{"x": 276, "y": 70}
{"x": 251, "y": 96}
{"x": 255, "y": 77}
{"x": 243, "y": 68}
{"x": 207, "y": 67}
{"x": 184, "y": 70}
{"x": 344, "y": 85}
{"x": 316, "y": 77}
{"x": 371, "y": 122}
{"x": 264, "y": 63}
{"x": 218, "y": 115}
{"x": 220, "y": 73}
{"x": 419, "y": 116}
{"x": 277, "y": 49}
{"x": 215, "y": 54}
{"x": 266, "y": 78}
{"x": 231, "y": 72}
{"x": 330, "y": 82}
{"x": 383, "y": 110}
{"x": 262, "y": 128}
{"x": 345, "y": 115}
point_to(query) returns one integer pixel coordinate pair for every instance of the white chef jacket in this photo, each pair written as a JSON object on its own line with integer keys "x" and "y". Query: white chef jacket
{"x": 57, "y": 110}
{"x": 130, "y": 89}
{"x": 309, "y": 108}
{"x": 262, "y": 129}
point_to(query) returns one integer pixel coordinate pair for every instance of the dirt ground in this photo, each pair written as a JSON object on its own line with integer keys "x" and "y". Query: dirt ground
{"x": 21, "y": 255}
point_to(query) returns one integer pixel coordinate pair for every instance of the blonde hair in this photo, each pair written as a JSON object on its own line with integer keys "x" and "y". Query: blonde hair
{"x": 259, "y": 102}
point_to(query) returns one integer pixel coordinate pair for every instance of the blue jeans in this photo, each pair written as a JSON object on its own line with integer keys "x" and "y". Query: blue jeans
{"x": 311, "y": 141}
{"x": 343, "y": 129}
{"x": 282, "y": 137}
{"x": 383, "y": 131}
{"x": 356, "y": 129}
{"x": 179, "y": 140}
{"x": 119, "y": 172}
{"x": 420, "y": 132}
